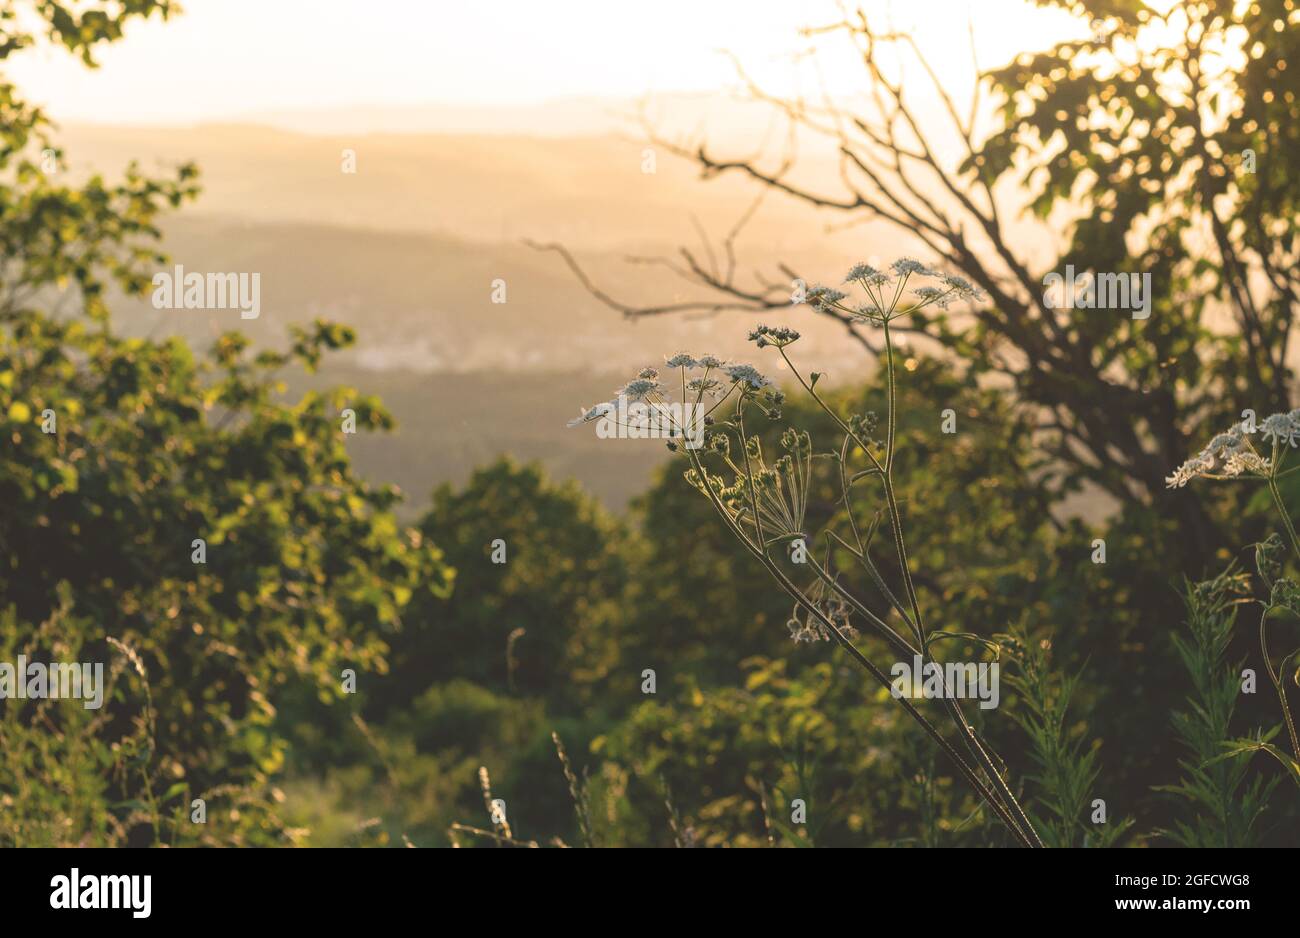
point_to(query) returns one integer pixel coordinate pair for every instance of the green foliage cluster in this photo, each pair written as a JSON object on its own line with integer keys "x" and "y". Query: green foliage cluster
{"x": 153, "y": 447}
{"x": 1223, "y": 801}
{"x": 224, "y": 677}
{"x": 306, "y": 568}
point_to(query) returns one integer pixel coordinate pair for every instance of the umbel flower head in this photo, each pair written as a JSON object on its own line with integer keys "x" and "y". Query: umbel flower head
{"x": 866, "y": 274}
{"x": 886, "y": 305}
{"x": 905, "y": 265}
{"x": 1230, "y": 454}
{"x": 779, "y": 337}
{"x": 1282, "y": 428}
{"x": 652, "y": 389}
{"x": 642, "y": 386}
{"x": 1213, "y": 457}
{"x": 747, "y": 376}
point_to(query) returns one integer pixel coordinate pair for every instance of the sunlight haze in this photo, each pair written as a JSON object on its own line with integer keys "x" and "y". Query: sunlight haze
{"x": 212, "y": 63}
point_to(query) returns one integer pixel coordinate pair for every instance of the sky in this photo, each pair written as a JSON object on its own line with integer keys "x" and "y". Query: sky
{"x": 228, "y": 59}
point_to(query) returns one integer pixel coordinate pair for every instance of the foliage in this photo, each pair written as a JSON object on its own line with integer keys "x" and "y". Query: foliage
{"x": 1223, "y": 802}
{"x": 763, "y": 501}
{"x": 120, "y": 454}
{"x": 223, "y": 676}
{"x": 1067, "y": 769}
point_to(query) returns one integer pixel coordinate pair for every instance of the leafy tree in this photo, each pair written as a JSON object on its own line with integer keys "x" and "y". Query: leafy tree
{"x": 541, "y": 578}
{"x": 1158, "y": 145}
{"x": 530, "y": 641}
{"x": 119, "y": 455}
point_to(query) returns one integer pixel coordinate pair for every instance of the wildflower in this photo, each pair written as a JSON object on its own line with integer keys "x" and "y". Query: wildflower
{"x": 928, "y": 295}
{"x": 641, "y": 388}
{"x": 861, "y": 272}
{"x": 590, "y": 414}
{"x": 1280, "y": 428}
{"x": 1197, "y": 466}
{"x": 1224, "y": 443}
{"x": 905, "y": 266}
{"x": 681, "y": 360}
{"x": 794, "y": 441}
{"x": 824, "y": 298}
{"x": 766, "y": 335}
{"x": 748, "y": 376}
{"x": 1227, "y": 451}
{"x": 864, "y": 425}
{"x": 962, "y": 287}
{"x": 867, "y": 275}
{"x": 708, "y": 361}
{"x": 704, "y": 385}
{"x": 648, "y": 374}
{"x": 1245, "y": 462}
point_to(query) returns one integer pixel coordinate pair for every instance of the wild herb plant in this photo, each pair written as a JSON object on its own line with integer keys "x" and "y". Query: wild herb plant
{"x": 1224, "y": 806}
{"x": 1232, "y": 456}
{"x": 1067, "y": 768}
{"x": 763, "y": 503}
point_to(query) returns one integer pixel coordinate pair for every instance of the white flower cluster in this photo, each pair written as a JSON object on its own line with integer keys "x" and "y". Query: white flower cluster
{"x": 950, "y": 288}
{"x": 647, "y": 386}
{"x": 1282, "y": 428}
{"x": 1230, "y": 454}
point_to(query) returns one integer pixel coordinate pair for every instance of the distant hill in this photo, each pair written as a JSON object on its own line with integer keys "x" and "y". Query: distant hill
{"x": 424, "y": 302}
{"x": 449, "y": 424}
{"x": 407, "y": 251}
